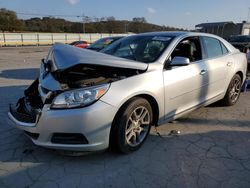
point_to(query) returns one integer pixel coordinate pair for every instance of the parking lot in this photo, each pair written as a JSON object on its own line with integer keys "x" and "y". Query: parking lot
{"x": 212, "y": 150}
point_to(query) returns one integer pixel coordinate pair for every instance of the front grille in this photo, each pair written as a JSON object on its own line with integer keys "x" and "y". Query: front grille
{"x": 32, "y": 135}
{"x": 69, "y": 138}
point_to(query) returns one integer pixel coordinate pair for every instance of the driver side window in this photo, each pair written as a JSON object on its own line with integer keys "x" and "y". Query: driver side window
{"x": 189, "y": 48}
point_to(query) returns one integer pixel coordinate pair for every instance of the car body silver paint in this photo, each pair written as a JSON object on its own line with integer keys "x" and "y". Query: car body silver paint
{"x": 177, "y": 91}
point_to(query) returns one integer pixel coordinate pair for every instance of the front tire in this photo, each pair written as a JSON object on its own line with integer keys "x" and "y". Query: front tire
{"x": 233, "y": 91}
{"x": 131, "y": 125}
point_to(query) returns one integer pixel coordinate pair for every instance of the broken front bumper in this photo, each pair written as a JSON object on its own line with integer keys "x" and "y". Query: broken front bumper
{"x": 23, "y": 114}
{"x": 81, "y": 129}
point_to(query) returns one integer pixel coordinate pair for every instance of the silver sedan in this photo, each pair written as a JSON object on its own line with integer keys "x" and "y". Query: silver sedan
{"x": 87, "y": 101}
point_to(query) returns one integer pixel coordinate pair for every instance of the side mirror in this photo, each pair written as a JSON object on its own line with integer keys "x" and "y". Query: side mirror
{"x": 180, "y": 61}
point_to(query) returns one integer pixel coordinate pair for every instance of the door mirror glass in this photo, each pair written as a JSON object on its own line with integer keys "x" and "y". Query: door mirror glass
{"x": 180, "y": 61}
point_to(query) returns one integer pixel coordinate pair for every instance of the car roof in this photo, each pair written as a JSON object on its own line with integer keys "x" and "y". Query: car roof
{"x": 177, "y": 34}
{"x": 112, "y": 37}
{"x": 163, "y": 33}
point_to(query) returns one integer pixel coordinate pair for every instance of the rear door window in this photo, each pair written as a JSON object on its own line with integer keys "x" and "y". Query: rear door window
{"x": 224, "y": 48}
{"x": 214, "y": 47}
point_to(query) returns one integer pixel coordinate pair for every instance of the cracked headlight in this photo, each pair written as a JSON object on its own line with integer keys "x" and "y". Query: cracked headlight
{"x": 79, "y": 97}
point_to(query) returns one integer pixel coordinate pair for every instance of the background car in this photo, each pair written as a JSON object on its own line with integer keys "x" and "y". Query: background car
{"x": 103, "y": 43}
{"x": 248, "y": 62}
{"x": 87, "y": 101}
{"x": 80, "y": 44}
{"x": 241, "y": 42}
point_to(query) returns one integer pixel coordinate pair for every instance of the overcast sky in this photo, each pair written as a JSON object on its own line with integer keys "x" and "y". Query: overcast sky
{"x": 176, "y": 13}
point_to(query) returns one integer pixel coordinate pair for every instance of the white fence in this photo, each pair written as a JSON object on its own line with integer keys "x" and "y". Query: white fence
{"x": 22, "y": 39}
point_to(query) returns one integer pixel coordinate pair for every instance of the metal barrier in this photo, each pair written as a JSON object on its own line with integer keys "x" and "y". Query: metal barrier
{"x": 22, "y": 39}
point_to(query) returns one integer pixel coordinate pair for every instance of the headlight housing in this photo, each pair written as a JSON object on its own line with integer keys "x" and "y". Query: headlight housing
{"x": 79, "y": 97}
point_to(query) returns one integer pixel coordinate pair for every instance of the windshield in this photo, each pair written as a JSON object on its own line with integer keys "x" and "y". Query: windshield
{"x": 245, "y": 38}
{"x": 102, "y": 43}
{"x": 146, "y": 49}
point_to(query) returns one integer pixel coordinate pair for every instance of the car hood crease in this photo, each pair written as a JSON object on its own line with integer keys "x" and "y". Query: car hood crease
{"x": 66, "y": 56}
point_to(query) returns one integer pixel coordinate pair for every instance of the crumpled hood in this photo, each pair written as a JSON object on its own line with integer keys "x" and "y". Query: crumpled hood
{"x": 66, "y": 56}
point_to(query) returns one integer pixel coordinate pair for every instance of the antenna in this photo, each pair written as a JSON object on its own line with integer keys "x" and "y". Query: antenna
{"x": 83, "y": 22}
{"x": 248, "y": 15}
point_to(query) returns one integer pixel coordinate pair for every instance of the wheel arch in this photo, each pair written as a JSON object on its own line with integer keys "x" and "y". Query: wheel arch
{"x": 153, "y": 103}
{"x": 240, "y": 73}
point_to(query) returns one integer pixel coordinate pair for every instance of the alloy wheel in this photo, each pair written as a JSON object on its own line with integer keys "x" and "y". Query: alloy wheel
{"x": 235, "y": 90}
{"x": 137, "y": 126}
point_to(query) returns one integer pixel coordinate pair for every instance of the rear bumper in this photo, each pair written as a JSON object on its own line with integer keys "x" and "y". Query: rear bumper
{"x": 93, "y": 122}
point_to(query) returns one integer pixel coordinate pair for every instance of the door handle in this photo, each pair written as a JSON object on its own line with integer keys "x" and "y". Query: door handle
{"x": 229, "y": 64}
{"x": 203, "y": 72}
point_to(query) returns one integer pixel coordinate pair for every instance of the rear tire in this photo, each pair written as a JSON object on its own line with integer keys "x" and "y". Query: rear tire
{"x": 233, "y": 91}
{"x": 131, "y": 125}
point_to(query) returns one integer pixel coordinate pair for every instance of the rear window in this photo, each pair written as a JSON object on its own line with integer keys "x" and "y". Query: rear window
{"x": 214, "y": 47}
{"x": 224, "y": 49}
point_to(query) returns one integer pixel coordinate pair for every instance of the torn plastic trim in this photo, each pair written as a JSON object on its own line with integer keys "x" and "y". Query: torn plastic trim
{"x": 21, "y": 119}
{"x": 17, "y": 122}
{"x": 28, "y": 108}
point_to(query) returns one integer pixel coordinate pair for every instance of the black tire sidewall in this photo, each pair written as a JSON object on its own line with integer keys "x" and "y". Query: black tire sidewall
{"x": 125, "y": 113}
{"x": 227, "y": 100}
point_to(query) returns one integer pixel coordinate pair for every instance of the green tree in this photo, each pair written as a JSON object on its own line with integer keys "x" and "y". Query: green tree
{"x": 139, "y": 19}
{"x": 9, "y": 21}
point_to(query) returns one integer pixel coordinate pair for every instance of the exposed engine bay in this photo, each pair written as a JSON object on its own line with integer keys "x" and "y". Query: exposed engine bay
{"x": 81, "y": 76}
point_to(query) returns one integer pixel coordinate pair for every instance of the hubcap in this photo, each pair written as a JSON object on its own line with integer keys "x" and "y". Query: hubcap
{"x": 235, "y": 90}
{"x": 137, "y": 126}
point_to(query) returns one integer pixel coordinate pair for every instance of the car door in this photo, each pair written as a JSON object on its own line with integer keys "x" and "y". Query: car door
{"x": 218, "y": 63}
{"x": 185, "y": 86}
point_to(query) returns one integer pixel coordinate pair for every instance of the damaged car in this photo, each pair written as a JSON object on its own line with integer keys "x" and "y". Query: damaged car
{"x": 87, "y": 101}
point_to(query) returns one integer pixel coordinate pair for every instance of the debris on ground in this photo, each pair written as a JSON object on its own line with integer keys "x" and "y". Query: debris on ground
{"x": 174, "y": 133}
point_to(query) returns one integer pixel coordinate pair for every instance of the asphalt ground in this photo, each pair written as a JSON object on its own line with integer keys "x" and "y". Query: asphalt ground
{"x": 212, "y": 149}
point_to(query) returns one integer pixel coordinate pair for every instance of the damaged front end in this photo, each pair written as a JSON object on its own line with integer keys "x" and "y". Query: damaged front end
{"x": 28, "y": 109}
{"x": 81, "y": 76}
{"x": 70, "y": 78}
